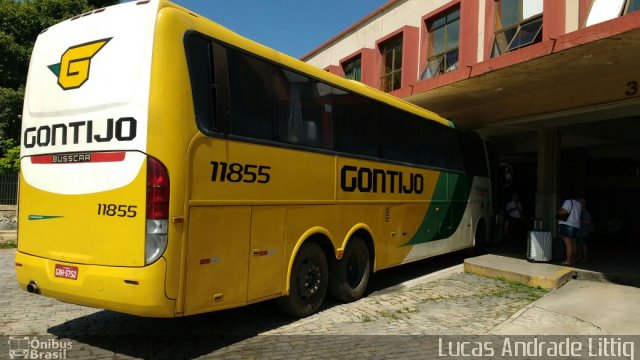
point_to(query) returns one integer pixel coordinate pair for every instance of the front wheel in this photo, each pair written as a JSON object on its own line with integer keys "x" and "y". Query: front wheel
{"x": 350, "y": 276}
{"x": 308, "y": 283}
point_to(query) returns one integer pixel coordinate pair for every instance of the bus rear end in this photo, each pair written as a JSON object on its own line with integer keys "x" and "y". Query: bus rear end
{"x": 93, "y": 204}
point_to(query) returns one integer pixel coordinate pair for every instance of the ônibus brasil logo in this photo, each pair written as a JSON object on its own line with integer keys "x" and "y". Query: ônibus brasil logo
{"x": 73, "y": 69}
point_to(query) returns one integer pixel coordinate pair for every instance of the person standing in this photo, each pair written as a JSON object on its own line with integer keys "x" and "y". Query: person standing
{"x": 569, "y": 226}
{"x": 515, "y": 219}
{"x": 586, "y": 226}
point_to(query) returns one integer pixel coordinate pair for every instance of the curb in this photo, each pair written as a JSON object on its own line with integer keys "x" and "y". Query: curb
{"x": 545, "y": 276}
{"x": 8, "y": 236}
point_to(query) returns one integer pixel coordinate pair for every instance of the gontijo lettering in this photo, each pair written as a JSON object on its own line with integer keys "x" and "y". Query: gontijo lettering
{"x": 368, "y": 180}
{"x": 123, "y": 129}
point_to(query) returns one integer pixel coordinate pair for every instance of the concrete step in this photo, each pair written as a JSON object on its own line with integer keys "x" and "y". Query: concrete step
{"x": 546, "y": 276}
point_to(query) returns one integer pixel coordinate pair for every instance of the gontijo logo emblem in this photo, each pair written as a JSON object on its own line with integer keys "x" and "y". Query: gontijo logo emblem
{"x": 73, "y": 69}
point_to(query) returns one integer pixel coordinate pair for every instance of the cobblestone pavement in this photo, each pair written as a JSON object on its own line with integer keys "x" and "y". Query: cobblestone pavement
{"x": 458, "y": 304}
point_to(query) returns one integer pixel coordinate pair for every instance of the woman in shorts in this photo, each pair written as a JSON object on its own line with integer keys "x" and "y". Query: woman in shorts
{"x": 568, "y": 229}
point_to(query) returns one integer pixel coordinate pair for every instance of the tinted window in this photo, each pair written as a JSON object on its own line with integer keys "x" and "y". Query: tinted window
{"x": 304, "y": 110}
{"x": 473, "y": 155}
{"x": 454, "y": 150}
{"x": 398, "y": 135}
{"x": 432, "y": 145}
{"x": 252, "y": 96}
{"x": 200, "y": 62}
{"x": 356, "y": 125}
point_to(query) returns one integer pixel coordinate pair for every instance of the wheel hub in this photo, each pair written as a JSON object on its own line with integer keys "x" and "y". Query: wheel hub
{"x": 309, "y": 280}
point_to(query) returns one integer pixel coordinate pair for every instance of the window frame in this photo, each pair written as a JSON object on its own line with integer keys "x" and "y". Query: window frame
{"x": 440, "y": 58}
{"x": 352, "y": 62}
{"x": 627, "y": 4}
{"x": 623, "y": 11}
{"x": 496, "y": 49}
{"x": 219, "y": 83}
{"x": 388, "y": 78}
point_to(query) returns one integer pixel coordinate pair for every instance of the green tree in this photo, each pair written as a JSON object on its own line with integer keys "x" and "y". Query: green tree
{"x": 20, "y": 24}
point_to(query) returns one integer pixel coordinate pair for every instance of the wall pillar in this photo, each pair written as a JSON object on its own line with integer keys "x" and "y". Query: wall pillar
{"x": 554, "y": 19}
{"x": 547, "y": 191}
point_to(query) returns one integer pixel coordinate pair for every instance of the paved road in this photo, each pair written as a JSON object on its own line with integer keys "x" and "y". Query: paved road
{"x": 453, "y": 303}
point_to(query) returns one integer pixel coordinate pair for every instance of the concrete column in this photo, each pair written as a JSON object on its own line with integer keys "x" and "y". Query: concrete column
{"x": 547, "y": 192}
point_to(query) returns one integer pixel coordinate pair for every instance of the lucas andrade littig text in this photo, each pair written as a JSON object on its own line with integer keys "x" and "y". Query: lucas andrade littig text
{"x": 592, "y": 347}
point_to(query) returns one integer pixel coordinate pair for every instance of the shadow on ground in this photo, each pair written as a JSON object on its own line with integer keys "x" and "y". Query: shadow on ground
{"x": 610, "y": 259}
{"x": 198, "y": 335}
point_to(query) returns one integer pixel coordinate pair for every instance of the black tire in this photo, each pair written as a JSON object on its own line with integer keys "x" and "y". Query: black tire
{"x": 308, "y": 283}
{"x": 350, "y": 276}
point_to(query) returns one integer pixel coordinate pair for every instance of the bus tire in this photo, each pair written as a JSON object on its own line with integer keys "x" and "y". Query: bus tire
{"x": 308, "y": 283}
{"x": 350, "y": 276}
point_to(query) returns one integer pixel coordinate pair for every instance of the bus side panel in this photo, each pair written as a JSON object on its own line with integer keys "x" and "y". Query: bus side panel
{"x": 249, "y": 173}
{"x": 171, "y": 129}
{"x": 405, "y": 195}
{"x": 217, "y": 258}
{"x": 478, "y": 206}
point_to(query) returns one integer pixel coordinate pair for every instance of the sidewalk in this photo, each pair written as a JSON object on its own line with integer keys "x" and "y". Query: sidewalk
{"x": 586, "y": 305}
{"x": 579, "y": 308}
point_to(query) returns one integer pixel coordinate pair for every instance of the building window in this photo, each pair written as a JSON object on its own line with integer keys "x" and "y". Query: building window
{"x": 353, "y": 69}
{"x": 444, "y": 36}
{"x": 392, "y": 64}
{"x": 518, "y": 24}
{"x": 610, "y": 9}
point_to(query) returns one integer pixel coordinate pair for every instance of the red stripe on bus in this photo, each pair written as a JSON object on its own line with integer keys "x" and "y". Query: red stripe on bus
{"x": 108, "y": 157}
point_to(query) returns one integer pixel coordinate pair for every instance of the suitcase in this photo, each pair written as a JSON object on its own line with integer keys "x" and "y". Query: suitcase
{"x": 539, "y": 245}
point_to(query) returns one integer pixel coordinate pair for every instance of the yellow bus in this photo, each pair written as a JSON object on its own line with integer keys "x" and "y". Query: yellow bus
{"x": 171, "y": 167}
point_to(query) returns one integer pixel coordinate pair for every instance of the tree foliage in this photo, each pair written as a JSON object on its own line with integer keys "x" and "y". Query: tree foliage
{"x": 20, "y": 24}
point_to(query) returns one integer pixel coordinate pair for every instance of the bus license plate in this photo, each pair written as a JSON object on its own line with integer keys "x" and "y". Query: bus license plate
{"x": 67, "y": 272}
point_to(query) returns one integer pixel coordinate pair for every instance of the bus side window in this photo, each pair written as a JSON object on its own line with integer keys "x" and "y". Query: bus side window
{"x": 398, "y": 135}
{"x": 303, "y": 110}
{"x": 200, "y": 61}
{"x": 252, "y": 96}
{"x": 356, "y": 125}
{"x": 454, "y": 151}
{"x": 473, "y": 155}
{"x": 431, "y": 143}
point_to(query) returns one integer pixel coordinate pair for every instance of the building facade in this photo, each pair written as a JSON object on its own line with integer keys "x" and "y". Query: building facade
{"x": 554, "y": 83}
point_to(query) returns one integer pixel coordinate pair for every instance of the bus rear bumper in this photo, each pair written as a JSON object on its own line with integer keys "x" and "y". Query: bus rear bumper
{"x": 137, "y": 291}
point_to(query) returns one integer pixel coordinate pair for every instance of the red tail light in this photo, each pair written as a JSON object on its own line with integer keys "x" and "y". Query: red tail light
{"x": 157, "y": 190}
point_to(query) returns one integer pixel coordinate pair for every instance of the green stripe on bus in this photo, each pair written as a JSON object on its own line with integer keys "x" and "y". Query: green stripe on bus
{"x": 450, "y": 199}
{"x": 43, "y": 217}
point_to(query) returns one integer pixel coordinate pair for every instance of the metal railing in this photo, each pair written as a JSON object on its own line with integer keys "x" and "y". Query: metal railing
{"x": 9, "y": 189}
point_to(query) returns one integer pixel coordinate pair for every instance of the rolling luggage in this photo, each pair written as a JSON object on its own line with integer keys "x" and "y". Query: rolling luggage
{"x": 539, "y": 245}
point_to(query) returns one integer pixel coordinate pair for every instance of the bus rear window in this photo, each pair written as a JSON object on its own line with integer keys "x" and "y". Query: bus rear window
{"x": 200, "y": 59}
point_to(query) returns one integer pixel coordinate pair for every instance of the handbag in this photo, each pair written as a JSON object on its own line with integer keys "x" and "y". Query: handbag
{"x": 565, "y": 217}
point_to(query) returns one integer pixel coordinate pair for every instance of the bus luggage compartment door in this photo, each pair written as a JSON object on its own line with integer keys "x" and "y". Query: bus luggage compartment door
{"x": 217, "y": 261}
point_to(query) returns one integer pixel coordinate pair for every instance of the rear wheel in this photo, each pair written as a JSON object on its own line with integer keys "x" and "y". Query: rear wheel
{"x": 308, "y": 283}
{"x": 350, "y": 276}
